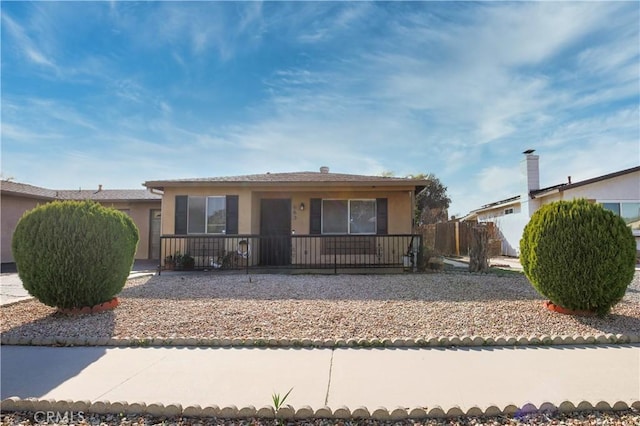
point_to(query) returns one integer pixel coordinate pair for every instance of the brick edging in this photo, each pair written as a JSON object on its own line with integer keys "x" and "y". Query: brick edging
{"x": 304, "y": 412}
{"x": 433, "y": 341}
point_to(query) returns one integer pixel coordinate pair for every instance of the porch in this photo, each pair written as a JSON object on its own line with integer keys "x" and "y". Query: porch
{"x": 302, "y": 252}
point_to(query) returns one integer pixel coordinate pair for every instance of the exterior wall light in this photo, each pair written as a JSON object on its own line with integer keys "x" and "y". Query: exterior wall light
{"x": 301, "y": 206}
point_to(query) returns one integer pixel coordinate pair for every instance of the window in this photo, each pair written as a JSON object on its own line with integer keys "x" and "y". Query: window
{"x": 349, "y": 216}
{"x": 508, "y": 211}
{"x": 216, "y": 215}
{"x": 630, "y": 212}
{"x": 206, "y": 215}
{"x": 614, "y": 207}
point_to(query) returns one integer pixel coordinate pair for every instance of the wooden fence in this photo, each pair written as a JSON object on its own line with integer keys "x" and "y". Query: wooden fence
{"x": 453, "y": 238}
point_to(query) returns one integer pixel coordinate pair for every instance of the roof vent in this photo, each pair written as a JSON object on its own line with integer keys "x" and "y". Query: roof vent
{"x": 324, "y": 169}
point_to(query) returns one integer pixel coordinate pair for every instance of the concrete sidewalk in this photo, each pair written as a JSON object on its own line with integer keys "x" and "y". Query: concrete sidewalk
{"x": 372, "y": 378}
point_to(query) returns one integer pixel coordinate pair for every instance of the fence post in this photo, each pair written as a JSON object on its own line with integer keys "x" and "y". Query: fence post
{"x": 478, "y": 256}
{"x": 457, "y": 237}
{"x": 161, "y": 258}
{"x": 415, "y": 252}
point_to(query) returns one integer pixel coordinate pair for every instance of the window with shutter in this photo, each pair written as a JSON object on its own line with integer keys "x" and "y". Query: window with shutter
{"x": 232, "y": 214}
{"x": 315, "y": 216}
{"x": 382, "y": 216}
{"x": 206, "y": 215}
{"x": 182, "y": 203}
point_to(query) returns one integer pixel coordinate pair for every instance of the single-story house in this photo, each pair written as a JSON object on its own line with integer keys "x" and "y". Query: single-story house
{"x": 618, "y": 191}
{"x": 142, "y": 205}
{"x": 299, "y": 219}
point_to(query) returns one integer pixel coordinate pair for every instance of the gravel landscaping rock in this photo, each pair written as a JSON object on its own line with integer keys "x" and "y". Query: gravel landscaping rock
{"x": 622, "y": 418}
{"x": 265, "y": 307}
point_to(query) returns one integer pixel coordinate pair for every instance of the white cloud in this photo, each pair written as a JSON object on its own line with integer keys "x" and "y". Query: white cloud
{"x": 26, "y": 44}
{"x": 415, "y": 94}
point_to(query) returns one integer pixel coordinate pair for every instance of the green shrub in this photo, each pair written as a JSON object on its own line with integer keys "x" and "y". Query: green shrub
{"x": 72, "y": 254}
{"x": 579, "y": 255}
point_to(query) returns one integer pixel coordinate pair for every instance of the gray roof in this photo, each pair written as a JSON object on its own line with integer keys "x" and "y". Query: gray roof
{"x": 110, "y": 195}
{"x": 113, "y": 195}
{"x": 25, "y": 190}
{"x": 302, "y": 178}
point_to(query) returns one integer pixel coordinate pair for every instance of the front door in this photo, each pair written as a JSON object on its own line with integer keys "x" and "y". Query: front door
{"x": 275, "y": 232}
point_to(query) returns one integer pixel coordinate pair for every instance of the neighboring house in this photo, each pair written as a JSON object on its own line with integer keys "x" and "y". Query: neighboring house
{"x": 301, "y": 219}
{"x": 618, "y": 192}
{"x": 142, "y": 205}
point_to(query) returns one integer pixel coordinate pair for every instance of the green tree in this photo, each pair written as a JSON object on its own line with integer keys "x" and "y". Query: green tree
{"x": 74, "y": 254}
{"x": 432, "y": 202}
{"x": 579, "y": 255}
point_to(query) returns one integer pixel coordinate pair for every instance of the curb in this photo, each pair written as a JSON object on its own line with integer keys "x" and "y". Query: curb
{"x": 304, "y": 412}
{"x": 429, "y": 342}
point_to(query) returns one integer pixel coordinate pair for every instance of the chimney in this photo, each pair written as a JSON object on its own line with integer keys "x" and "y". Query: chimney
{"x": 99, "y": 187}
{"x": 531, "y": 170}
{"x": 324, "y": 169}
{"x": 569, "y": 179}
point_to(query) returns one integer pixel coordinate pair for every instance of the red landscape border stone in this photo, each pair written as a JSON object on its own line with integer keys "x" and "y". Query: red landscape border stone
{"x": 559, "y": 309}
{"x": 105, "y": 306}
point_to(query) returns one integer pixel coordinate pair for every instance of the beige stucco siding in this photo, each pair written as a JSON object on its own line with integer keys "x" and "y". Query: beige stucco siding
{"x": 140, "y": 212}
{"x": 245, "y": 202}
{"x": 12, "y": 210}
{"x": 14, "y": 207}
{"x": 400, "y": 204}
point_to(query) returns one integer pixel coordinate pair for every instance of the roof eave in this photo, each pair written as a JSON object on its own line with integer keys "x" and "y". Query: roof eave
{"x": 162, "y": 185}
{"x": 28, "y": 195}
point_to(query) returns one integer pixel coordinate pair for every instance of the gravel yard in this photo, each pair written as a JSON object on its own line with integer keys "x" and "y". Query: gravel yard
{"x": 625, "y": 418}
{"x": 270, "y": 306}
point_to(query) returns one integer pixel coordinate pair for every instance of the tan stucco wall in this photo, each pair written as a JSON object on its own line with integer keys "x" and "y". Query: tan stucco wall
{"x": 400, "y": 207}
{"x": 14, "y": 207}
{"x": 140, "y": 212}
{"x": 245, "y": 202}
{"x": 12, "y": 210}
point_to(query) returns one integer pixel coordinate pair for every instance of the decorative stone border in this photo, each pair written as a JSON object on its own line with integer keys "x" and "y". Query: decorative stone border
{"x": 559, "y": 309}
{"x": 304, "y": 412}
{"x": 106, "y": 306}
{"x": 428, "y": 342}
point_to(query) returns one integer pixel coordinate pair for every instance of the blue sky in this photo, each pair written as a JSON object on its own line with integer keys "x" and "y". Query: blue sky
{"x": 118, "y": 93}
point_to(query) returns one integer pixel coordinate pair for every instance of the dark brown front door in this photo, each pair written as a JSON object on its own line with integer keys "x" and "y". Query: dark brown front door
{"x": 275, "y": 232}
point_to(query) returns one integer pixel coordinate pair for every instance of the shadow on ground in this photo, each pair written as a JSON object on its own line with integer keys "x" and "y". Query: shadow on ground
{"x": 62, "y": 327}
{"x": 612, "y": 323}
{"x": 34, "y": 372}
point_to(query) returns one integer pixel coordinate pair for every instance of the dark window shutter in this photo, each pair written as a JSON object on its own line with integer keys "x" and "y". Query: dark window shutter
{"x": 182, "y": 205}
{"x": 382, "y": 216}
{"x": 232, "y": 215}
{"x": 315, "y": 216}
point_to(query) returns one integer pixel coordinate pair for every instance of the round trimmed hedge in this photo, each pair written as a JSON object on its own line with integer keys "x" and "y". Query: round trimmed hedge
{"x": 579, "y": 255}
{"x": 74, "y": 254}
